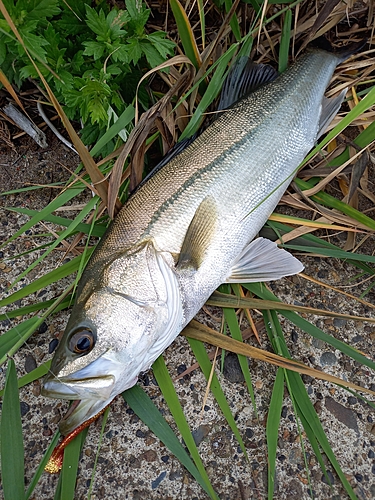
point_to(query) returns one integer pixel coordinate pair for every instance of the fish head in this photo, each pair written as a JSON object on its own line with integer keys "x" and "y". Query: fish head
{"x": 124, "y": 317}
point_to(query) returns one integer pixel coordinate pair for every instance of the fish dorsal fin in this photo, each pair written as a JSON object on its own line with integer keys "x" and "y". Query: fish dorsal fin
{"x": 244, "y": 77}
{"x": 263, "y": 260}
{"x": 199, "y": 234}
{"x": 330, "y": 108}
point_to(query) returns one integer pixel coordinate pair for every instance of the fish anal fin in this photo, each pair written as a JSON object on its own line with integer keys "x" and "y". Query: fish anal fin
{"x": 244, "y": 77}
{"x": 199, "y": 234}
{"x": 330, "y": 108}
{"x": 263, "y": 260}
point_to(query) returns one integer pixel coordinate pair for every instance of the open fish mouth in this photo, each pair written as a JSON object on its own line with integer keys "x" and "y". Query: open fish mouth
{"x": 89, "y": 397}
{"x": 81, "y": 411}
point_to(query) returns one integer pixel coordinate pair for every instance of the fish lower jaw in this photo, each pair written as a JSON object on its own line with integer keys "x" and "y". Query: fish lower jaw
{"x": 82, "y": 412}
{"x": 98, "y": 388}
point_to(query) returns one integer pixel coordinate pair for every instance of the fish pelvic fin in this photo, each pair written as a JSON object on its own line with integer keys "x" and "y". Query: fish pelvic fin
{"x": 199, "y": 235}
{"x": 263, "y": 260}
{"x": 330, "y": 108}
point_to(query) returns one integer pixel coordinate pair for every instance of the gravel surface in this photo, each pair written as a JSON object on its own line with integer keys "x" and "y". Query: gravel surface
{"x": 132, "y": 462}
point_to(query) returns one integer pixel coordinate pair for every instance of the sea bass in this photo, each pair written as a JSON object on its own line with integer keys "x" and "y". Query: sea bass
{"x": 188, "y": 229}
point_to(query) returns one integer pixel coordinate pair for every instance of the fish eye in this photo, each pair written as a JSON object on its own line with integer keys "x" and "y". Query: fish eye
{"x": 82, "y": 341}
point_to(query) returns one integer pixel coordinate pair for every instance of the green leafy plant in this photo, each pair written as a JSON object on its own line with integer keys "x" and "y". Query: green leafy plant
{"x": 91, "y": 57}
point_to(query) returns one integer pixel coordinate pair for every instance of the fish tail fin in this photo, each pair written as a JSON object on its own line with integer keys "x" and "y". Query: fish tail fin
{"x": 342, "y": 53}
{"x": 345, "y": 52}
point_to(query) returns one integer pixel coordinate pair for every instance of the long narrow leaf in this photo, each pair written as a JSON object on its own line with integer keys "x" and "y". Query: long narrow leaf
{"x": 205, "y": 365}
{"x": 231, "y": 319}
{"x": 51, "y": 277}
{"x": 72, "y": 226}
{"x": 311, "y": 329}
{"x": 82, "y": 227}
{"x": 165, "y": 383}
{"x": 123, "y": 120}
{"x": 12, "y": 453}
{"x": 35, "y": 374}
{"x": 299, "y": 394}
{"x": 22, "y": 311}
{"x": 285, "y": 41}
{"x": 42, "y": 464}
{"x": 61, "y": 200}
{"x": 186, "y": 33}
{"x": 9, "y": 338}
{"x": 272, "y": 428}
{"x": 142, "y": 405}
{"x": 211, "y": 93}
{"x": 70, "y": 466}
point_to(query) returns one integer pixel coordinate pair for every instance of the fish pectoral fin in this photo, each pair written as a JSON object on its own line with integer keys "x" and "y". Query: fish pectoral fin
{"x": 330, "y": 108}
{"x": 199, "y": 235}
{"x": 263, "y": 260}
{"x": 244, "y": 77}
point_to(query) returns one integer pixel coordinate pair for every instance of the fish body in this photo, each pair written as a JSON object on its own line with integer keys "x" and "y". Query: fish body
{"x": 185, "y": 231}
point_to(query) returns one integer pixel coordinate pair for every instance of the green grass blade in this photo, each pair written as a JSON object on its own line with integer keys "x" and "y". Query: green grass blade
{"x": 51, "y": 277}
{"x": 308, "y": 413}
{"x": 22, "y": 311}
{"x": 104, "y": 422}
{"x": 232, "y": 322}
{"x": 186, "y": 33}
{"x": 333, "y": 252}
{"x": 42, "y": 464}
{"x": 166, "y": 386}
{"x": 205, "y": 365}
{"x": 58, "y": 202}
{"x": 123, "y": 121}
{"x": 314, "y": 244}
{"x": 70, "y": 466}
{"x": 202, "y": 20}
{"x": 19, "y": 339}
{"x": 298, "y": 391}
{"x": 12, "y": 452}
{"x": 331, "y": 202}
{"x": 362, "y": 140}
{"x": 285, "y": 41}
{"x": 366, "y": 103}
{"x": 272, "y": 428}
{"x": 234, "y": 24}
{"x": 86, "y": 252}
{"x": 211, "y": 93}
{"x": 82, "y": 227}
{"x": 68, "y": 231}
{"x": 30, "y": 188}
{"x": 9, "y": 338}
{"x": 142, "y": 405}
{"x": 311, "y": 329}
{"x": 38, "y": 372}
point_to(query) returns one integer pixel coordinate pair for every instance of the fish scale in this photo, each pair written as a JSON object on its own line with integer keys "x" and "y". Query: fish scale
{"x": 185, "y": 231}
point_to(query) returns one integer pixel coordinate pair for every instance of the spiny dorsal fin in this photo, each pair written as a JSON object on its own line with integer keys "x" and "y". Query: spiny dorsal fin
{"x": 199, "y": 235}
{"x": 244, "y": 77}
{"x": 263, "y": 260}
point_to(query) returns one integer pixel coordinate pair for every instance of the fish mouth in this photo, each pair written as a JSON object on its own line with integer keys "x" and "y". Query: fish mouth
{"x": 79, "y": 412}
{"x": 88, "y": 388}
{"x": 90, "y": 396}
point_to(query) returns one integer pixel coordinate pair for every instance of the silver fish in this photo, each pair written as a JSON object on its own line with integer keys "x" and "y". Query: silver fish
{"x": 185, "y": 231}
